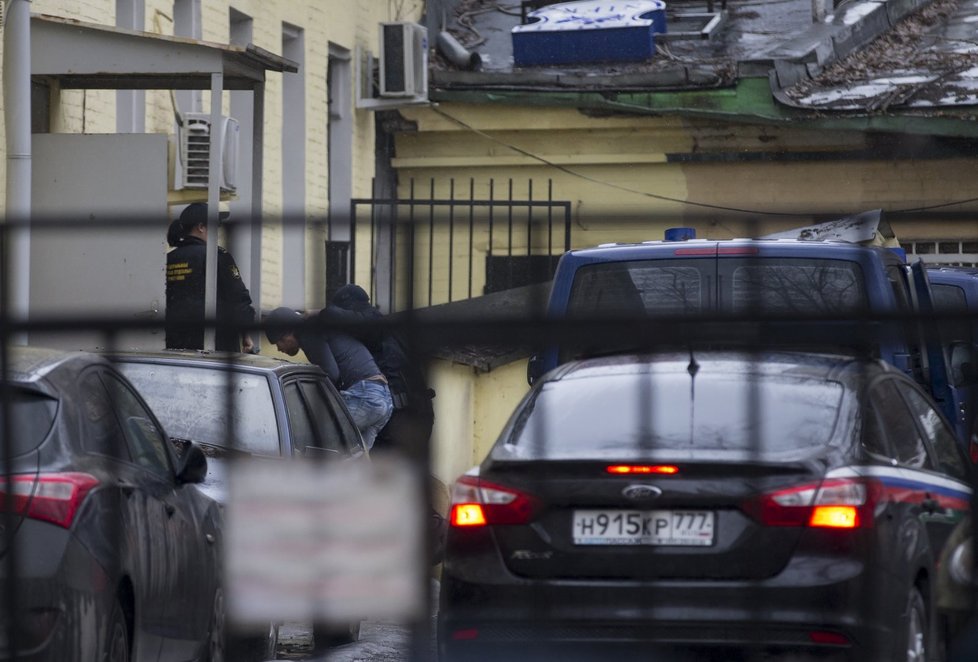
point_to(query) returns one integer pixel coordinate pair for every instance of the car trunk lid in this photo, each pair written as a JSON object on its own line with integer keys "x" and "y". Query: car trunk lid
{"x": 593, "y": 520}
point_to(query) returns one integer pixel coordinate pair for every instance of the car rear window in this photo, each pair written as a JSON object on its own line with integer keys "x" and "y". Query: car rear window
{"x": 191, "y": 403}
{"x": 32, "y": 416}
{"x": 630, "y": 415}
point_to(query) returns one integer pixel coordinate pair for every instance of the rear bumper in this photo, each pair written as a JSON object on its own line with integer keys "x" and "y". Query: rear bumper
{"x": 62, "y": 597}
{"x": 849, "y": 609}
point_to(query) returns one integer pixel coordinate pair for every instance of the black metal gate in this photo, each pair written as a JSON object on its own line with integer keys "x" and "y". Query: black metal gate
{"x": 426, "y": 248}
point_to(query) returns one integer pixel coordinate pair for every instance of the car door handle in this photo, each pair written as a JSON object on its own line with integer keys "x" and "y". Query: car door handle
{"x": 125, "y": 486}
{"x": 170, "y": 509}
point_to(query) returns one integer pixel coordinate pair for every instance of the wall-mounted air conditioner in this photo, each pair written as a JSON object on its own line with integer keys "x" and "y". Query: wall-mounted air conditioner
{"x": 193, "y": 152}
{"x": 403, "y": 60}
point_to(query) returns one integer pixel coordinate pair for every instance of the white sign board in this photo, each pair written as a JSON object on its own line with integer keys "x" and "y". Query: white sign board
{"x": 335, "y": 542}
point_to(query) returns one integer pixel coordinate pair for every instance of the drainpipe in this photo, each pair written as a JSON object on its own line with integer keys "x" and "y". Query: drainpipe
{"x": 17, "y": 119}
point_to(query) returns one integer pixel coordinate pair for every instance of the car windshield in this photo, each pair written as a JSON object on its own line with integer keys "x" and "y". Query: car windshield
{"x": 31, "y": 417}
{"x": 631, "y": 415}
{"x": 191, "y": 402}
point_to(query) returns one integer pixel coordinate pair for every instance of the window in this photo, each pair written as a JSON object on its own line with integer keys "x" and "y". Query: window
{"x": 941, "y": 438}
{"x": 335, "y": 431}
{"x": 603, "y": 414}
{"x": 801, "y": 286}
{"x": 899, "y": 427}
{"x": 31, "y": 418}
{"x": 660, "y": 287}
{"x": 303, "y": 428}
{"x": 147, "y": 444}
{"x": 192, "y": 403}
{"x": 102, "y": 434}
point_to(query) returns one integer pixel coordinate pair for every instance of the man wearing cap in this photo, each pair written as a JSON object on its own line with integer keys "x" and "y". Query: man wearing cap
{"x": 411, "y": 423}
{"x": 345, "y": 360}
{"x": 185, "y": 266}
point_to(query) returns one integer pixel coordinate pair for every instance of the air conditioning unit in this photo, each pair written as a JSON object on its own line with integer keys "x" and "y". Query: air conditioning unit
{"x": 403, "y": 60}
{"x": 194, "y": 152}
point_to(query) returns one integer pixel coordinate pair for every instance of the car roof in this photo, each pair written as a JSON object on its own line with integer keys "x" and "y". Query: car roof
{"x": 30, "y": 364}
{"x": 656, "y": 247}
{"x": 217, "y": 360}
{"x": 848, "y": 369}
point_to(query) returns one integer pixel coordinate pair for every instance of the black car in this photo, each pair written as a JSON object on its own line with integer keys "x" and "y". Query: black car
{"x": 713, "y": 500}
{"x": 109, "y": 552}
{"x": 246, "y": 405}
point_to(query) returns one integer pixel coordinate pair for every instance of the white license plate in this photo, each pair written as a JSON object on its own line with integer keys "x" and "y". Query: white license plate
{"x": 650, "y": 527}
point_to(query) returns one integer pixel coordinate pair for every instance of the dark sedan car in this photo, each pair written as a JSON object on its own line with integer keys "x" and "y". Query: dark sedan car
{"x": 777, "y": 502}
{"x": 109, "y": 553}
{"x": 275, "y": 409}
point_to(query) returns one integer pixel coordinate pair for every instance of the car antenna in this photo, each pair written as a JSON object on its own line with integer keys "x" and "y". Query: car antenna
{"x": 692, "y": 369}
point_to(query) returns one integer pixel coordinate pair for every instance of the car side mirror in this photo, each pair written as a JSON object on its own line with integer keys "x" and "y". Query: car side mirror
{"x": 193, "y": 468}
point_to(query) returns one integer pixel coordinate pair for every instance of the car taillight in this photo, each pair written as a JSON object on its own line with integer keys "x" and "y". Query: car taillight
{"x": 54, "y": 497}
{"x": 838, "y": 503}
{"x": 476, "y": 502}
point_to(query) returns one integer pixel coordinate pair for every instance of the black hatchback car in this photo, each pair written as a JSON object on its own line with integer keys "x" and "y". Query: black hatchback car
{"x": 761, "y": 503}
{"x": 109, "y": 552}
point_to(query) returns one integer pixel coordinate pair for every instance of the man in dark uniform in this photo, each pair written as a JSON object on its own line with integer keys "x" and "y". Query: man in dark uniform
{"x": 185, "y": 266}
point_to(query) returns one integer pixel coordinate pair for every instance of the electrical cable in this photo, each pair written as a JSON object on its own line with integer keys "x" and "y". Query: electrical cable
{"x": 657, "y": 196}
{"x": 600, "y": 182}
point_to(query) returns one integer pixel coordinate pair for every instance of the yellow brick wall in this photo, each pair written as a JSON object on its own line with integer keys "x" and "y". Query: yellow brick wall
{"x": 341, "y": 22}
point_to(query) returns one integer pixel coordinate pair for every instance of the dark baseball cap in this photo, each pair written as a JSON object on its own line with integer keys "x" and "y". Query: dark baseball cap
{"x": 196, "y": 213}
{"x": 285, "y": 319}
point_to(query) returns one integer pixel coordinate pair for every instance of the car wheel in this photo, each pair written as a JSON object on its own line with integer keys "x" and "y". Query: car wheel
{"x": 326, "y": 637}
{"x": 216, "y": 632}
{"x": 253, "y": 647}
{"x": 918, "y": 634}
{"x": 117, "y": 649}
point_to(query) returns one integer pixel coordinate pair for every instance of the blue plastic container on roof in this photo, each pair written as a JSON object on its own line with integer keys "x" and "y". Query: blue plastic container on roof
{"x": 589, "y": 31}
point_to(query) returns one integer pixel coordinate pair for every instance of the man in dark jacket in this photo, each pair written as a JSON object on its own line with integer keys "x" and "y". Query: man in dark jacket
{"x": 347, "y": 363}
{"x": 410, "y": 424}
{"x": 185, "y": 266}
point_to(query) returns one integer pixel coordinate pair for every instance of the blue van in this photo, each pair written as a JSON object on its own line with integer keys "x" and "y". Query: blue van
{"x": 776, "y": 276}
{"x": 955, "y": 290}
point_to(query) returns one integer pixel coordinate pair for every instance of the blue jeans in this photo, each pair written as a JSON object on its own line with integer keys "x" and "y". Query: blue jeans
{"x": 371, "y": 406}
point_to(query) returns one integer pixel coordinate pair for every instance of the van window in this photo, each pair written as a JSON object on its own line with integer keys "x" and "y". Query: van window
{"x": 782, "y": 285}
{"x": 662, "y": 287}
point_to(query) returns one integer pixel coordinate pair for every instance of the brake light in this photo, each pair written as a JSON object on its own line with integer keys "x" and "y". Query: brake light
{"x": 54, "y": 497}
{"x": 830, "y": 638}
{"x": 667, "y": 469}
{"x": 839, "y": 503}
{"x": 476, "y": 503}
{"x": 468, "y": 514}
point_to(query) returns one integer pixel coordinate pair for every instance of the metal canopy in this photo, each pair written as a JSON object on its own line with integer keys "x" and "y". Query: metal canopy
{"x": 92, "y": 56}
{"x": 87, "y": 55}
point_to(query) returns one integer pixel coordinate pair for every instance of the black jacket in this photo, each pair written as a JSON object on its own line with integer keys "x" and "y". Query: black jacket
{"x": 409, "y": 389}
{"x": 185, "y": 298}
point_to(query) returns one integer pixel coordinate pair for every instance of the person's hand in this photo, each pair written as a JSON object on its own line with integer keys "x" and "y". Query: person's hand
{"x": 247, "y": 345}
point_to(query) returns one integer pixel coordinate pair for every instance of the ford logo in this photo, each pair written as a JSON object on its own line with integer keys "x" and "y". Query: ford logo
{"x": 641, "y": 492}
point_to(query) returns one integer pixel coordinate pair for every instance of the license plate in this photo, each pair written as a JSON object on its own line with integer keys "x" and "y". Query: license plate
{"x": 650, "y": 527}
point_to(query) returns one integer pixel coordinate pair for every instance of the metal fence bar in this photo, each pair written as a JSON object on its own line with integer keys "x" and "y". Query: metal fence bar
{"x": 451, "y": 236}
{"x": 471, "y": 230}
